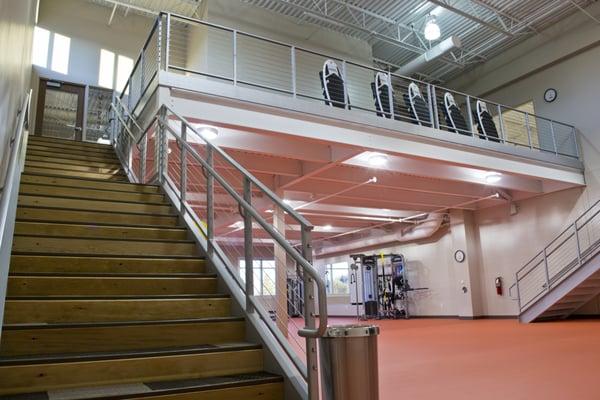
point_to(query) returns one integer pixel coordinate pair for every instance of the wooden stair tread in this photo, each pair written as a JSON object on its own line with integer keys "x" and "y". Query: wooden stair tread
{"x": 264, "y": 381}
{"x": 83, "y": 230}
{"x": 104, "y": 264}
{"x": 87, "y": 183}
{"x": 75, "y": 197}
{"x": 62, "y": 358}
{"x": 35, "y": 138}
{"x": 120, "y": 323}
{"x": 166, "y": 275}
{"x": 41, "y": 189}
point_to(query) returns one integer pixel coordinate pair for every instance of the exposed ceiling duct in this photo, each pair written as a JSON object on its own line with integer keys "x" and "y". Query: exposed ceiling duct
{"x": 444, "y": 47}
{"x": 404, "y": 234}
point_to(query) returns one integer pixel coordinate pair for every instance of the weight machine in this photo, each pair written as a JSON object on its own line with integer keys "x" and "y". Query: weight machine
{"x": 379, "y": 283}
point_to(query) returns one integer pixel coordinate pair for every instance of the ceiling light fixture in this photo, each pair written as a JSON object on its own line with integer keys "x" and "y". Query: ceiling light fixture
{"x": 432, "y": 29}
{"x": 493, "y": 177}
{"x": 377, "y": 159}
{"x": 327, "y": 227}
{"x": 207, "y": 132}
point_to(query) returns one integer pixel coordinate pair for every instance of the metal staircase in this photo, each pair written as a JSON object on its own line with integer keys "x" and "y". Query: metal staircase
{"x": 565, "y": 275}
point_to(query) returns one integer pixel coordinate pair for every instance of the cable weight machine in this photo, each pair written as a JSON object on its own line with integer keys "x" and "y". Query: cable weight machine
{"x": 379, "y": 283}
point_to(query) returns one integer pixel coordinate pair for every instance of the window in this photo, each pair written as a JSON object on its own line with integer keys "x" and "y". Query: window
{"x": 337, "y": 278}
{"x": 41, "y": 42}
{"x": 264, "y": 276}
{"x": 124, "y": 67}
{"x": 60, "y": 53}
{"x": 107, "y": 69}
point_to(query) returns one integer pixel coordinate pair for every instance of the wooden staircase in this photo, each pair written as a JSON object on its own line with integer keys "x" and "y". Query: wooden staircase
{"x": 108, "y": 297}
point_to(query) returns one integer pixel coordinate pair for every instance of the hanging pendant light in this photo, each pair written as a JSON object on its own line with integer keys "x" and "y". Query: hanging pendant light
{"x": 432, "y": 29}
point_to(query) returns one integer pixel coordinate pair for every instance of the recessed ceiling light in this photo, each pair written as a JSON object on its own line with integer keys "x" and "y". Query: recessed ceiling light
{"x": 377, "y": 160}
{"x": 492, "y": 177}
{"x": 269, "y": 211}
{"x": 327, "y": 227}
{"x": 207, "y": 131}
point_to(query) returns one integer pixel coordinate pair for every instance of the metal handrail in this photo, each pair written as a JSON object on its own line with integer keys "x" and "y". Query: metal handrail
{"x": 312, "y": 278}
{"x": 542, "y": 257}
{"x": 10, "y": 192}
{"x": 280, "y": 203}
{"x": 306, "y": 266}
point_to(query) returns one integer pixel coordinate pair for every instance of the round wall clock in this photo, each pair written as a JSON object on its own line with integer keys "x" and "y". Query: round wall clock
{"x": 459, "y": 256}
{"x": 550, "y": 95}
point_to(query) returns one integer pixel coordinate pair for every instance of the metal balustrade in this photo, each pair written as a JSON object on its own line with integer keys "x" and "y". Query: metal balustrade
{"x": 231, "y": 210}
{"x": 194, "y": 47}
{"x": 572, "y": 248}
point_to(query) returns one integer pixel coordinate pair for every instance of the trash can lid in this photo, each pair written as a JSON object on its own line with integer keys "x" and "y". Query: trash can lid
{"x": 351, "y": 330}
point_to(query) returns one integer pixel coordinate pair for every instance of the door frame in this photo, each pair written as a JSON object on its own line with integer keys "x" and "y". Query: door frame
{"x": 67, "y": 87}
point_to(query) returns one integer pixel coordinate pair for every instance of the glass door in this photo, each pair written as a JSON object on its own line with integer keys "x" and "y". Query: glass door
{"x": 60, "y": 110}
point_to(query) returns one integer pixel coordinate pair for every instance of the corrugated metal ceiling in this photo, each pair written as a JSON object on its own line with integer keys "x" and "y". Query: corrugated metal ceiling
{"x": 394, "y": 28}
{"x": 486, "y": 27}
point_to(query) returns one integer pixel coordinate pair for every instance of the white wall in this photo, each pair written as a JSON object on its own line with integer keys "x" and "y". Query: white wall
{"x": 16, "y": 30}
{"x": 87, "y": 26}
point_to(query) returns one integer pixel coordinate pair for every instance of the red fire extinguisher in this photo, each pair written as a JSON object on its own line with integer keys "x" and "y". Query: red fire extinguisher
{"x": 498, "y": 283}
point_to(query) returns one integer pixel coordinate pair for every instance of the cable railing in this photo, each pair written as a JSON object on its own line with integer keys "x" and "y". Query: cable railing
{"x": 242, "y": 221}
{"x": 568, "y": 251}
{"x": 195, "y": 47}
{"x": 15, "y": 156}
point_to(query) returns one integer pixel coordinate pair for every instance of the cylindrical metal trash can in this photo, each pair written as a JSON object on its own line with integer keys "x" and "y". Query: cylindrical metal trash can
{"x": 349, "y": 369}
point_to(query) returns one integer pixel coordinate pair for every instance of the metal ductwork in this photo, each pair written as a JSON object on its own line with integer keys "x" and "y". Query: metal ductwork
{"x": 423, "y": 230}
{"x": 440, "y": 50}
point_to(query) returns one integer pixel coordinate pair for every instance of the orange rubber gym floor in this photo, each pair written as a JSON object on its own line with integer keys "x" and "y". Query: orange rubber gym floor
{"x": 448, "y": 359}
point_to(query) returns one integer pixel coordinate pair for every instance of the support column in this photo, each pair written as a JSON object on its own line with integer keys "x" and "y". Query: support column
{"x": 280, "y": 272}
{"x": 467, "y": 287}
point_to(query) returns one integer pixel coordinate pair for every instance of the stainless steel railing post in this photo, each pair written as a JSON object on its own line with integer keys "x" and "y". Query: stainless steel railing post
{"x": 546, "y": 271}
{"x": 578, "y": 243}
{"x": 160, "y": 160}
{"x": 390, "y": 94}
{"x": 293, "y": 66}
{"x": 248, "y": 241}
{"x": 553, "y": 137}
{"x": 345, "y": 85}
{"x": 167, "y": 42}
{"x": 528, "y": 130}
{"x": 436, "y": 120}
{"x": 518, "y": 292}
{"x": 183, "y": 166}
{"x": 210, "y": 210}
{"x": 574, "y": 134}
{"x": 235, "y": 57}
{"x": 309, "y": 319}
{"x": 143, "y": 154}
{"x": 501, "y": 123}
{"x": 470, "y": 116}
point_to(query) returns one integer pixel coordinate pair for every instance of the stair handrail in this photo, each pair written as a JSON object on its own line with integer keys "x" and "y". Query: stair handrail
{"x": 302, "y": 258}
{"x": 549, "y": 250}
{"x": 10, "y": 192}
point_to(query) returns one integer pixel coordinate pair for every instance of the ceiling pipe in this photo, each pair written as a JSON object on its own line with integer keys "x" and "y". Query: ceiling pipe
{"x": 436, "y": 52}
{"x": 400, "y": 235}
